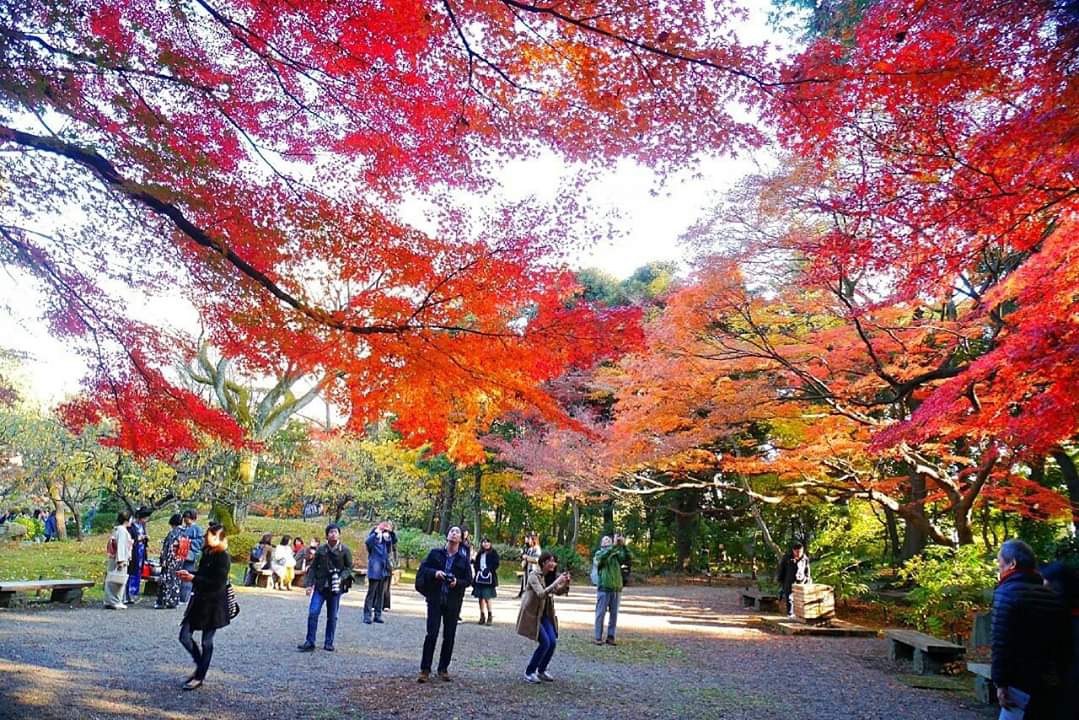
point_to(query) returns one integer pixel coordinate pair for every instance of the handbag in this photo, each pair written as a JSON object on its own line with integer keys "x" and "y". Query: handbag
{"x": 116, "y": 577}
{"x": 234, "y": 607}
{"x": 484, "y": 577}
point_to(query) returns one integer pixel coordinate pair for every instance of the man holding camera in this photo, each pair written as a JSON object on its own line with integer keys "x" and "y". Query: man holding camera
{"x": 328, "y": 577}
{"x": 608, "y": 561}
{"x": 442, "y": 579}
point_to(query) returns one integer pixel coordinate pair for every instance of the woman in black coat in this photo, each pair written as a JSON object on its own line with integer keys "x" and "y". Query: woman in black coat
{"x": 209, "y": 606}
{"x": 485, "y": 581}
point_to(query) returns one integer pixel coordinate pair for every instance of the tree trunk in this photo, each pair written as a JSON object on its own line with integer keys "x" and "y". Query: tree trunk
{"x": 576, "y": 522}
{"x": 687, "y": 524}
{"x": 915, "y": 536}
{"x": 449, "y": 495}
{"x": 1071, "y": 477}
{"x": 477, "y": 497}
{"x": 76, "y": 518}
{"x": 893, "y": 534}
{"x": 608, "y": 516}
{"x": 755, "y": 510}
{"x": 58, "y": 506}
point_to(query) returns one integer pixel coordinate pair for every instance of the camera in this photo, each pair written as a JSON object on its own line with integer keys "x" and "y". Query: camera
{"x": 448, "y": 578}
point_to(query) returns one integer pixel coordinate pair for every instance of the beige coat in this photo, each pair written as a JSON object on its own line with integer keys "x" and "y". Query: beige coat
{"x": 537, "y": 602}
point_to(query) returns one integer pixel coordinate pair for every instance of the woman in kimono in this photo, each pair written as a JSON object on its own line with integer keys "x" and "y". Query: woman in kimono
{"x": 168, "y": 588}
{"x": 119, "y": 555}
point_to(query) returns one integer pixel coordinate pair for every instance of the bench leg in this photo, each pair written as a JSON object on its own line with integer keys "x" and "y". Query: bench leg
{"x": 899, "y": 651}
{"x": 6, "y": 598}
{"x": 66, "y": 595}
{"x": 984, "y": 690}
{"x": 926, "y": 664}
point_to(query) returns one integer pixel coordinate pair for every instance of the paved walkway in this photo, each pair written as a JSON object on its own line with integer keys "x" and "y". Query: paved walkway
{"x": 684, "y": 652}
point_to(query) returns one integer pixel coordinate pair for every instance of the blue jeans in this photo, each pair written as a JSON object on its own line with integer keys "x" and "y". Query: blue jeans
{"x": 606, "y": 599}
{"x": 333, "y": 604}
{"x": 202, "y": 655}
{"x": 548, "y": 637}
{"x": 185, "y": 586}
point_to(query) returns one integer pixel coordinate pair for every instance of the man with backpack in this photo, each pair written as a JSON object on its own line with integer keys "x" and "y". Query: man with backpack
{"x": 194, "y": 535}
{"x": 607, "y": 577}
{"x": 328, "y": 577}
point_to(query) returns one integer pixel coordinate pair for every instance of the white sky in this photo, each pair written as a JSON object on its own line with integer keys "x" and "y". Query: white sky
{"x": 652, "y": 218}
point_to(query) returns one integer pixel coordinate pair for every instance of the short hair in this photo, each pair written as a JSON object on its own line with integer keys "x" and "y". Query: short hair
{"x": 797, "y": 546}
{"x": 1020, "y": 552}
{"x": 122, "y": 517}
{"x": 144, "y": 513}
{"x": 189, "y": 514}
{"x": 266, "y": 539}
{"x": 333, "y": 526}
{"x": 286, "y": 539}
{"x": 175, "y": 520}
{"x": 545, "y": 556}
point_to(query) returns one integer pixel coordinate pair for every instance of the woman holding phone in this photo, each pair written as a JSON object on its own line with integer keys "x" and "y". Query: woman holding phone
{"x": 537, "y": 620}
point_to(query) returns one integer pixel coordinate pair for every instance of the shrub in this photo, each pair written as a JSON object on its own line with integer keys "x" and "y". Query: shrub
{"x": 568, "y": 559}
{"x": 240, "y": 545}
{"x": 949, "y": 585}
{"x": 413, "y": 544}
{"x": 34, "y": 528}
{"x": 507, "y": 553}
{"x": 844, "y": 572}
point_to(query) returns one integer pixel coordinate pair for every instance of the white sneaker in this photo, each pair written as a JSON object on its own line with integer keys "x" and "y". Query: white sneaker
{"x": 117, "y": 607}
{"x": 532, "y": 678}
{"x": 546, "y": 676}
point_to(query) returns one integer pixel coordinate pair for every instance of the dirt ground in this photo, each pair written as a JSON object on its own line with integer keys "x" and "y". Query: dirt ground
{"x": 684, "y": 652}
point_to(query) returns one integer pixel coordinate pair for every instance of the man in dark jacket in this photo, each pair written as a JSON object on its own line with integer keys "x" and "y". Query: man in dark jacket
{"x": 442, "y": 579}
{"x": 1030, "y": 634}
{"x": 329, "y": 575}
{"x": 793, "y": 570}
{"x": 380, "y": 542}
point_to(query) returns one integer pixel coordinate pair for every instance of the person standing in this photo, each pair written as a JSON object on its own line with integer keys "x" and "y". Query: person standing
{"x": 793, "y": 570}
{"x": 194, "y": 534}
{"x": 119, "y": 555}
{"x": 173, "y": 553}
{"x": 141, "y": 543}
{"x": 379, "y": 546}
{"x": 283, "y": 563}
{"x": 208, "y": 610}
{"x": 608, "y": 562}
{"x": 1031, "y": 637}
{"x": 1064, "y": 581}
{"x": 327, "y": 578}
{"x": 529, "y": 559}
{"x": 51, "y": 532}
{"x": 536, "y": 619}
{"x": 442, "y": 579}
{"x": 486, "y": 579}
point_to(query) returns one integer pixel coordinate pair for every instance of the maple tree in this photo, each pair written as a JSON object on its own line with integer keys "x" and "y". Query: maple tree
{"x": 249, "y": 157}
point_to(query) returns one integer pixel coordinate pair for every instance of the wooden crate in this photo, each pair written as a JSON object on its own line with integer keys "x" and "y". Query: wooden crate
{"x": 813, "y": 603}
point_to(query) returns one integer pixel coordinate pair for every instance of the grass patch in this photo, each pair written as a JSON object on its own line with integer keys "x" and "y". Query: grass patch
{"x": 633, "y": 651}
{"x": 716, "y": 702}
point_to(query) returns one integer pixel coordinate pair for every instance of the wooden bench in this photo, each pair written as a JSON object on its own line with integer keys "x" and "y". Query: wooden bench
{"x": 927, "y": 652}
{"x": 759, "y": 601}
{"x": 65, "y": 591}
{"x": 984, "y": 688}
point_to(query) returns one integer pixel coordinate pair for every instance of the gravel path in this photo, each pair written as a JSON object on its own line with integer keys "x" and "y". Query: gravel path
{"x": 684, "y": 652}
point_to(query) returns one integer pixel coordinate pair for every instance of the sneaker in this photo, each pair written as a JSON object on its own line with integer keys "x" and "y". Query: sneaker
{"x": 120, "y": 606}
{"x": 379, "y": 620}
{"x": 366, "y": 619}
{"x": 546, "y": 676}
{"x": 192, "y": 684}
{"x": 610, "y": 641}
{"x": 598, "y": 641}
{"x": 425, "y": 675}
{"x": 305, "y": 647}
{"x": 444, "y": 676}
{"x": 532, "y": 678}
{"x": 328, "y": 648}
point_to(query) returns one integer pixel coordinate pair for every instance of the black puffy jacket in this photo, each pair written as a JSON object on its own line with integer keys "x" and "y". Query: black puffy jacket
{"x": 1031, "y": 632}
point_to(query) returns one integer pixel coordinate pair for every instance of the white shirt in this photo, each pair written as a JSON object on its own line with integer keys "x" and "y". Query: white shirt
{"x": 124, "y": 543}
